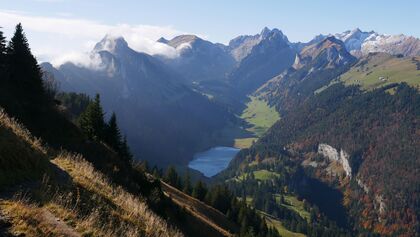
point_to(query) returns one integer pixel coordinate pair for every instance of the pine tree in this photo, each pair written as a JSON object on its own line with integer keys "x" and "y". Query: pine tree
{"x": 92, "y": 120}
{"x": 172, "y": 177}
{"x": 124, "y": 151}
{"x": 199, "y": 191}
{"x": 24, "y": 72}
{"x": 113, "y": 135}
{"x": 187, "y": 184}
{"x": 2, "y": 50}
{"x": 3, "y": 77}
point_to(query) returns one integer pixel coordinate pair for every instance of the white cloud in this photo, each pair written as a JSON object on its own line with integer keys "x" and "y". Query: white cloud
{"x": 58, "y": 39}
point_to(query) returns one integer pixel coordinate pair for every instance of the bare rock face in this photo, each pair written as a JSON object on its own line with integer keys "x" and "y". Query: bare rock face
{"x": 241, "y": 46}
{"x": 329, "y": 53}
{"x": 332, "y": 154}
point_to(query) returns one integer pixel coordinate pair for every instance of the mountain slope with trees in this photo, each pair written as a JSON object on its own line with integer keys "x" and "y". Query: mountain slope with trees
{"x": 370, "y": 135}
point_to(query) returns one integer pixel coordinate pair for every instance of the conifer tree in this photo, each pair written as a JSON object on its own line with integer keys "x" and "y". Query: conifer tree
{"x": 172, "y": 177}
{"x": 24, "y": 72}
{"x": 2, "y": 50}
{"x": 92, "y": 120}
{"x": 2, "y": 59}
{"x": 113, "y": 135}
{"x": 187, "y": 184}
{"x": 199, "y": 191}
{"x": 124, "y": 150}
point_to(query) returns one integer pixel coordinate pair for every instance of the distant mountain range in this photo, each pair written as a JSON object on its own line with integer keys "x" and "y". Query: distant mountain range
{"x": 361, "y": 43}
{"x": 139, "y": 87}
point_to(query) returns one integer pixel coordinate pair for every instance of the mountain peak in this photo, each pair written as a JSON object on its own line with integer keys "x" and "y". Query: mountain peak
{"x": 331, "y": 50}
{"x": 111, "y": 44}
{"x": 182, "y": 39}
{"x": 265, "y": 31}
{"x": 275, "y": 33}
{"x": 162, "y": 40}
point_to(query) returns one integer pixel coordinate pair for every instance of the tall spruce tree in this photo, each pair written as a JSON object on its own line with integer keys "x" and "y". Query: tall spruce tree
{"x": 2, "y": 59}
{"x": 24, "y": 72}
{"x": 91, "y": 121}
{"x": 124, "y": 150}
{"x": 3, "y": 49}
{"x": 187, "y": 188}
{"x": 113, "y": 135}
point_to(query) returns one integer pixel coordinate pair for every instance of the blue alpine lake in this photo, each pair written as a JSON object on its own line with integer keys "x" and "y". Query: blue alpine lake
{"x": 214, "y": 160}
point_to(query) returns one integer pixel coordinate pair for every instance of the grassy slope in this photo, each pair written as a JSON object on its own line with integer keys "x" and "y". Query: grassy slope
{"x": 271, "y": 221}
{"x": 22, "y": 157}
{"x": 391, "y": 68}
{"x": 85, "y": 205}
{"x": 260, "y": 118}
{"x": 295, "y": 205}
{"x": 368, "y": 71}
{"x": 261, "y": 175}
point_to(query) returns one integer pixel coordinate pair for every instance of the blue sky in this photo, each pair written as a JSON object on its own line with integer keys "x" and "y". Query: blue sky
{"x": 216, "y": 20}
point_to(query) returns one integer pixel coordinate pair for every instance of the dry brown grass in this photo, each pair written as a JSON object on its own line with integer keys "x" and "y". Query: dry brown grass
{"x": 22, "y": 156}
{"x": 30, "y": 220}
{"x": 83, "y": 204}
{"x": 21, "y": 132}
{"x": 125, "y": 213}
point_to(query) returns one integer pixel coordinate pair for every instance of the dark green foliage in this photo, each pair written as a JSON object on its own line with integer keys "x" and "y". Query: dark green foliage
{"x": 2, "y": 49}
{"x": 91, "y": 121}
{"x": 172, "y": 177}
{"x": 124, "y": 150}
{"x": 24, "y": 72}
{"x": 74, "y": 103}
{"x": 112, "y": 133}
{"x": 199, "y": 190}
{"x": 186, "y": 183}
{"x": 220, "y": 197}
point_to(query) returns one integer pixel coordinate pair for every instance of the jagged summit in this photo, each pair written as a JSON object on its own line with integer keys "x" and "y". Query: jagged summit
{"x": 265, "y": 31}
{"x": 241, "y": 46}
{"x": 330, "y": 52}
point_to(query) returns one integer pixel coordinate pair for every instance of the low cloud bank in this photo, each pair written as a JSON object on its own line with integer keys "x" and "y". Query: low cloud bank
{"x": 59, "y": 40}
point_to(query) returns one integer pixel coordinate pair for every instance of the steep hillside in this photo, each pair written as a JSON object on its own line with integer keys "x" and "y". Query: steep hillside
{"x": 380, "y": 69}
{"x": 314, "y": 68}
{"x": 165, "y": 121}
{"x": 334, "y": 138}
{"x": 210, "y": 220}
{"x": 22, "y": 156}
{"x": 60, "y": 193}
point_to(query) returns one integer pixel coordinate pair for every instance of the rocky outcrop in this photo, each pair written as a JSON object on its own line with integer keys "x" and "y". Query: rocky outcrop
{"x": 378, "y": 200}
{"x": 332, "y": 154}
